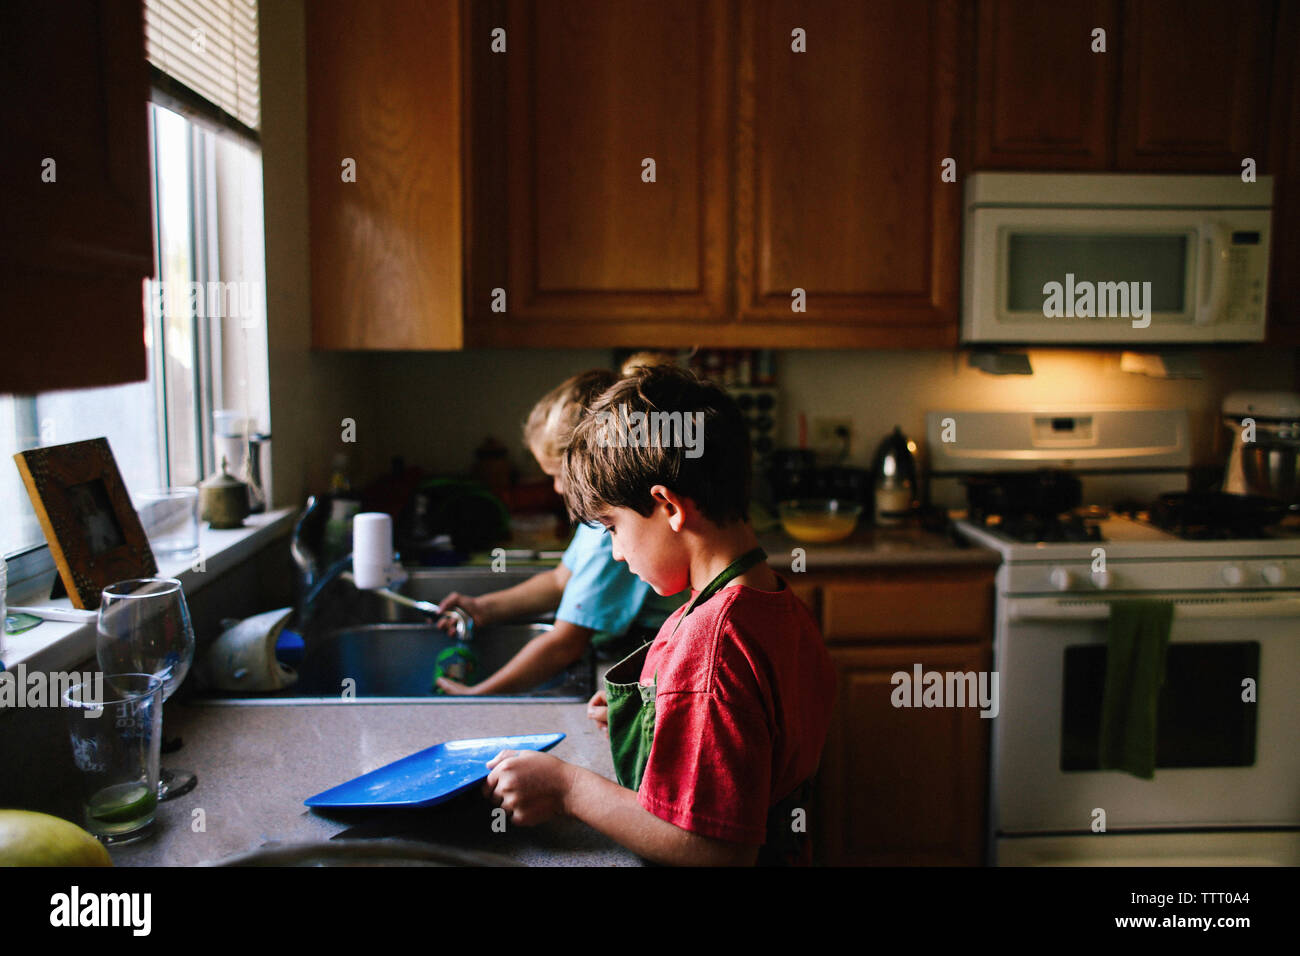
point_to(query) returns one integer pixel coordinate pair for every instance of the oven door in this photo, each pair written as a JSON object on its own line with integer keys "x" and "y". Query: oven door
{"x": 1220, "y": 761}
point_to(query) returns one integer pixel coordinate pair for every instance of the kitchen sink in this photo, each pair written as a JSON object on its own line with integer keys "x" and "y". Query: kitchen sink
{"x": 359, "y": 646}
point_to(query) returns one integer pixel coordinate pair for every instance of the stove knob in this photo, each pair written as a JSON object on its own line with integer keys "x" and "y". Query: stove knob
{"x": 1272, "y": 574}
{"x": 1233, "y": 575}
{"x": 1101, "y": 579}
{"x": 1061, "y": 579}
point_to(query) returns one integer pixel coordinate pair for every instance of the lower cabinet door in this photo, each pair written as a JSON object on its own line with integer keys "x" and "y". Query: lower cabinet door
{"x": 902, "y": 785}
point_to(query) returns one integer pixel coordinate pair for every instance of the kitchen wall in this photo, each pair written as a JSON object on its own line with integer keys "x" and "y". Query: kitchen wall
{"x": 880, "y": 390}
{"x": 311, "y": 392}
{"x": 437, "y": 407}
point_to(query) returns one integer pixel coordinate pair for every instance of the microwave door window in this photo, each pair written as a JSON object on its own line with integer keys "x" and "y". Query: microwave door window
{"x": 1201, "y": 720}
{"x": 1096, "y": 277}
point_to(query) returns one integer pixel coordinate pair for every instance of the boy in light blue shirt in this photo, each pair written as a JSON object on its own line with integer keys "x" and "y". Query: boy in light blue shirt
{"x": 597, "y": 600}
{"x": 605, "y": 597}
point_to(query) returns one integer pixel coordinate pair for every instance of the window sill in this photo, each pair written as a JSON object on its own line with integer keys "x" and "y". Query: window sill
{"x": 62, "y": 645}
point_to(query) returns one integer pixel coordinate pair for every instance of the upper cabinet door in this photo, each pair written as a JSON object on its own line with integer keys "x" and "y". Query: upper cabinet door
{"x": 1194, "y": 86}
{"x": 616, "y": 167}
{"x": 839, "y": 190}
{"x": 1284, "y": 284}
{"x": 76, "y": 237}
{"x": 1043, "y": 95}
{"x": 384, "y": 126}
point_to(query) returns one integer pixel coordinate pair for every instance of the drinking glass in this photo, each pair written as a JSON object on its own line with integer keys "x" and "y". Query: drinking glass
{"x": 171, "y": 518}
{"x": 144, "y": 625}
{"x": 115, "y": 721}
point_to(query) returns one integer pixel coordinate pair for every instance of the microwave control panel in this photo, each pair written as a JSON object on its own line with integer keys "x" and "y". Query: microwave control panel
{"x": 1246, "y": 264}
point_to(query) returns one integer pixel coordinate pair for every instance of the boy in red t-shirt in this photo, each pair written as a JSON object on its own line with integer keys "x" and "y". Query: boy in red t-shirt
{"x": 717, "y": 726}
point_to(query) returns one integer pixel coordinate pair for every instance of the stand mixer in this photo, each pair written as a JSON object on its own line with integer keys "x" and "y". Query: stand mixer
{"x": 1265, "y": 445}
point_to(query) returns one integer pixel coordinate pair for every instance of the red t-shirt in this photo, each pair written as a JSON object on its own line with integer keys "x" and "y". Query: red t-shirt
{"x": 743, "y": 702}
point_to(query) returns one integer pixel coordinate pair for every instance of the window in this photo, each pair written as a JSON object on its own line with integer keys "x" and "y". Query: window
{"x": 205, "y": 331}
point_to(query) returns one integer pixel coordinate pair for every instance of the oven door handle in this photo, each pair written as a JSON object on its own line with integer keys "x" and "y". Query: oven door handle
{"x": 1235, "y": 607}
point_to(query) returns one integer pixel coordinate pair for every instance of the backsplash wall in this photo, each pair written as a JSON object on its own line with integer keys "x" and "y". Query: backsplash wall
{"x": 436, "y": 408}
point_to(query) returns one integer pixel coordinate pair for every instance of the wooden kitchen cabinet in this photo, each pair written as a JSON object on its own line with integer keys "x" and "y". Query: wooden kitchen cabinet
{"x": 838, "y": 186}
{"x": 385, "y": 173}
{"x": 1043, "y": 98}
{"x": 1284, "y": 281}
{"x": 596, "y": 252}
{"x": 885, "y": 607}
{"x": 836, "y": 189}
{"x": 500, "y": 200}
{"x": 902, "y": 786}
{"x": 76, "y": 239}
{"x": 1184, "y": 85}
{"x": 1194, "y": 85}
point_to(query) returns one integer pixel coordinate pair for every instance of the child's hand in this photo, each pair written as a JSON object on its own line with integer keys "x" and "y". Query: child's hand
{"x": 598, "y": 710}
{"x": 456, "y": 689}
{"x": 530, "y": 786}
{"x": 472, "y": 606}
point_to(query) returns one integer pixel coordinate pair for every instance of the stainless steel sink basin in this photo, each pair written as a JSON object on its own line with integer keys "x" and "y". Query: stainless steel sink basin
{"x": 361, "y": 647}
{"x": 433, "y": 584}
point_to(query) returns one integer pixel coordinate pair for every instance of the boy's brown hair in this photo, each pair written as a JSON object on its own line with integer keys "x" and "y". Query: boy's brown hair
{"x": 601, "y": 472}
{"x": 550, "y": 423}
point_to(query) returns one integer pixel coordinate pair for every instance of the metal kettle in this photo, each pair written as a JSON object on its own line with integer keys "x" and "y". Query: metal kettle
{"x": 895, "y": 478}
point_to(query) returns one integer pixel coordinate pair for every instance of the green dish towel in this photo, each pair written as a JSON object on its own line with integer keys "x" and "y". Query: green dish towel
{"x": 1135, "y": 671}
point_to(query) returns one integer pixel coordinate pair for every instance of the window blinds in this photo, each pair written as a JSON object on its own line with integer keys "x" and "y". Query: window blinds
{"x": 209, "y": 46}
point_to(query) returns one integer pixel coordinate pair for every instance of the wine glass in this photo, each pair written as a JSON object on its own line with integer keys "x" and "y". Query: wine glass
{"x": 144, "y": 626}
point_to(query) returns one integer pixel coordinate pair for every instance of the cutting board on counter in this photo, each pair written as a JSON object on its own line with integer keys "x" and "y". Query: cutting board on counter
{"x": 431, "y": 776}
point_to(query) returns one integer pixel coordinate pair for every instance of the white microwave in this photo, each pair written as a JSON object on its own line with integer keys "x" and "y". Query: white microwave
{"x": 1105, "y": 258}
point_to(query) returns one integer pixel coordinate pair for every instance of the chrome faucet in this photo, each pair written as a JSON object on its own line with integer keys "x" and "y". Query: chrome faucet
{"x": 464, "y": 624}
{"x": 313, "y": 581}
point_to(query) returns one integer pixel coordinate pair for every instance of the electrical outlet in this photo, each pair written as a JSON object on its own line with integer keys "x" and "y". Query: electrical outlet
{"x": 832, "y": 436}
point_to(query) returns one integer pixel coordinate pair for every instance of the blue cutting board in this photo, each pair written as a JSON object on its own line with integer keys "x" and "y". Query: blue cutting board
{"x": 430, "y": 777}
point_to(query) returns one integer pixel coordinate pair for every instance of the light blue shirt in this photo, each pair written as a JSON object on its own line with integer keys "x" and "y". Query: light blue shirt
{"x": 602, "y": 593}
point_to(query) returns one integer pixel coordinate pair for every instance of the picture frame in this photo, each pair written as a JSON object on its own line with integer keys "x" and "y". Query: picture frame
{"x": 93, "y": 530}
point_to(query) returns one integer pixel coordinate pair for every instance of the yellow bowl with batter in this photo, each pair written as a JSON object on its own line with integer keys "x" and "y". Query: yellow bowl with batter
{"x": 819, "y": 520}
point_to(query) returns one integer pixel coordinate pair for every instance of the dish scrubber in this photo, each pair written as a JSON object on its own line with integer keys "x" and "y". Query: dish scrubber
{"x": 457, "y": 663}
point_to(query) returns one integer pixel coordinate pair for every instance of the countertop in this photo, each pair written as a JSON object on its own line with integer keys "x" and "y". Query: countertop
{"x": 256, "y": 765}
{"x": 876, "y": 548}
{"x": 868, "y": 547}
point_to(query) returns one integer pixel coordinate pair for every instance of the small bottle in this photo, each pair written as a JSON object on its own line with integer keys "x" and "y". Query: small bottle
{"x": 338, "y": 529}
{"x": 340, "y": 483}
{"x": 745, "y": 368}
{"x": 713, "y": 366}
{"x": 728, "y": 368}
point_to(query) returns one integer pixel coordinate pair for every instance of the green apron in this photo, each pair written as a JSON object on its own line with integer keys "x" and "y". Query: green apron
{"x": 631, "y": 722}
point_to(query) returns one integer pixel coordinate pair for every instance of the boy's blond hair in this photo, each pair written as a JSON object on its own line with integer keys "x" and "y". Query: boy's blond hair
{"x": 600, "y": 474}
{"x": 646, "y": 358}
{"x": 550, "y": 424}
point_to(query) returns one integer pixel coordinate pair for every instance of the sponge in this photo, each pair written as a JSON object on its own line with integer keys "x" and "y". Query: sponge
{"x": 457, "y": 663}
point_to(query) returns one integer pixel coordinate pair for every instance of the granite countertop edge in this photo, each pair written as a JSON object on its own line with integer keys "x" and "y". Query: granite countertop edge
{"x": 256, "y": 764}
{"x": 875, "y": 548}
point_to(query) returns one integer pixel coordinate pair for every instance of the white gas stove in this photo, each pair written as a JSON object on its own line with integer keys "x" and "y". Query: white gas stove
{"x": 1226, "y": 787}
{"x": 1133, "y": 556}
